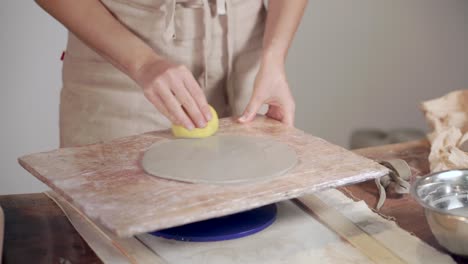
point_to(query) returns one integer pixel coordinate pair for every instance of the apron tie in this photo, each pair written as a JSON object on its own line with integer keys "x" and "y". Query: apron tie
{"x": 206, "y": 39}
{"x": 230, "y": 48}
{"x": 170, "y": 23}
{"x": 222, "y": 8}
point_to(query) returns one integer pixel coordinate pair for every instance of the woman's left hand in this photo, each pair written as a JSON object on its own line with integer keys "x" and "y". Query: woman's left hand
{"x": 271, "y": 88}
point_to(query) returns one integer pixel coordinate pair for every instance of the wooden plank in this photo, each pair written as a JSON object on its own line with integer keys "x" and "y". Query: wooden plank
{"x": 344, "y": 227}
{"x": 111, "y": 249}
{"x": 37, "y": 231}
{"x": 294, "y": 238}
{"x": 107, "y": 183}
{"x": 107, "y": 252}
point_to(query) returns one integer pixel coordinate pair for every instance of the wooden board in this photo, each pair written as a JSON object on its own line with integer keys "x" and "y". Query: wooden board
{"x": 106, "y": 181}
{"x": 349, "y": 231}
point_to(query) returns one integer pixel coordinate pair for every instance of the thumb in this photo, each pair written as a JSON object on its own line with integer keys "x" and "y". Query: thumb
{"x": 251, "y": 110}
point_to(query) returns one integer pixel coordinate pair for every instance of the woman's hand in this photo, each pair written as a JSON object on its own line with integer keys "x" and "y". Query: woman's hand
{"x": 271, "y": 88}
{"x": 173, "y": 90}
{"x": 170, "y": 87}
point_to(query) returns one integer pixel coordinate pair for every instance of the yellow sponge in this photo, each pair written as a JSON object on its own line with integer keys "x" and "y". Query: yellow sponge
{"x": 208, "y": 130}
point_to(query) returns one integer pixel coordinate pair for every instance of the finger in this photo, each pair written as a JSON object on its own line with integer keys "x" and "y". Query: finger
{"x": 283, "y": 112}
{"x": 288, "y": 118}
{"x": 275, "y": 113}
{"x": 175, "y": 109}
{"x": 252, "y": 108}
{"x": 162, "y": 108}
{"x": 188, "y": 103}
{"x": 197, "y": 94}
{"x": 289, "y": 111}
{"x": 158, "y": 103}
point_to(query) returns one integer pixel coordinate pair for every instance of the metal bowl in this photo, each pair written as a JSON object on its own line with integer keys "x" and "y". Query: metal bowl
{"x": 444, "y": 196}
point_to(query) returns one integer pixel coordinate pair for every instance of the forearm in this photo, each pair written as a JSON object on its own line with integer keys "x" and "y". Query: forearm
{"x": 90, "y": 21}
{"x": 282, "y": 22}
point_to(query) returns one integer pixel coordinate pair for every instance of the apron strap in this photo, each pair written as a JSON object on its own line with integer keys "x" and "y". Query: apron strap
{"x": 230, "y": 43}
{"x": 207, "y": 38}
{"x": 223, "y": 7}
{"x": 170, "y": 23}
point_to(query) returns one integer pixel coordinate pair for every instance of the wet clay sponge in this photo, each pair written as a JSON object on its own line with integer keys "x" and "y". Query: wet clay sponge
{"x": 209, "y": 130}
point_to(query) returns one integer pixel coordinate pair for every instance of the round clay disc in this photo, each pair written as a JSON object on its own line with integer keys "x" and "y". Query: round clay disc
{"x": 223, "y": 159}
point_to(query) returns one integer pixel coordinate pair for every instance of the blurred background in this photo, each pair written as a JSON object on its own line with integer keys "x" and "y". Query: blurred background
{"x": 354, "y": 64}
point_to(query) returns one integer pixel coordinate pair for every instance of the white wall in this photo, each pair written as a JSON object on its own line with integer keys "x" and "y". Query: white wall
{"x": 30, "y": 77}
{"x": 368, "y": 63}
{"x": 360, "y": 63}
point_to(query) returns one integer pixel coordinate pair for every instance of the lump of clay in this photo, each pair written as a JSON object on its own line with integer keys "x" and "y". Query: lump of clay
{"x": 448, "y": 116}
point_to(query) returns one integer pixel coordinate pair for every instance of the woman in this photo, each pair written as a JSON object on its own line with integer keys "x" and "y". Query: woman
{"x": 131, "y": 66}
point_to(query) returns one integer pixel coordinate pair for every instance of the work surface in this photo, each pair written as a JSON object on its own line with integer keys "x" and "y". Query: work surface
{"x": 107, "y": 183}
{"x": 38, "y": 232}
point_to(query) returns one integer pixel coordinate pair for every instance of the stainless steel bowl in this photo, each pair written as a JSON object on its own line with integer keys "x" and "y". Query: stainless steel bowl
{"x": 444, "y": 196}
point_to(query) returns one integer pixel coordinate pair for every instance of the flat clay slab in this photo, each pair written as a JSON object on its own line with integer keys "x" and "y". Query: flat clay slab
{"x": 107, "y": 183}
{"x": 219, "y": 159}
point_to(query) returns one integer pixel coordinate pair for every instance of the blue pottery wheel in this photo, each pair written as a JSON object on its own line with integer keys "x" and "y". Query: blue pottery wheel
{"x": 223, "y": 228}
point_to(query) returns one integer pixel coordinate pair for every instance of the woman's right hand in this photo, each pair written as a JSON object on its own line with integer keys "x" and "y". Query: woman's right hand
{"x": 173, "y": 90}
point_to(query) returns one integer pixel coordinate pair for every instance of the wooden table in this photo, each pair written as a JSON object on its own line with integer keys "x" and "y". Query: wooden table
{"x": 38, "y": 232}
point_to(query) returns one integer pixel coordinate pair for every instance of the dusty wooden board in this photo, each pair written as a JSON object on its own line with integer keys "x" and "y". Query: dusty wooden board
{"x": 106, "y": 181}
{"x": 109, "y": 248}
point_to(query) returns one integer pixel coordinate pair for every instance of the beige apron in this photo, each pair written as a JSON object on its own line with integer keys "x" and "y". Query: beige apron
{"x": 99, "y": 103}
